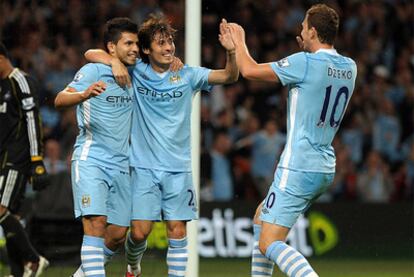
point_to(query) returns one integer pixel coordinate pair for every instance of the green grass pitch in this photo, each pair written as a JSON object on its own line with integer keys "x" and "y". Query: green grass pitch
{"x": 155, "y": 267}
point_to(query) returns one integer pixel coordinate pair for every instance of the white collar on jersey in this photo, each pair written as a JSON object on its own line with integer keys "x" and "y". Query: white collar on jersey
{"x": 331, "y": 51}
{"x": 161, "y": 74}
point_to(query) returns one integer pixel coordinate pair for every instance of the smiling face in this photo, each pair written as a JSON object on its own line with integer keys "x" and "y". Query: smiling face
{"x": 126, "y": 49}
{"x": 161, "y": 51}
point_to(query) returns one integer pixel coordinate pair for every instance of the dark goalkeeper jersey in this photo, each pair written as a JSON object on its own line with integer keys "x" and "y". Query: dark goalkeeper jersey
{"x": 20, "y": 124}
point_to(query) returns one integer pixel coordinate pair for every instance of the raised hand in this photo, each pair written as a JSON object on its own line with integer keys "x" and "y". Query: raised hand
{"x": 95, "y": 89}
{"x": 176, "y": 65}
{"x": 225, "y": 36}
{"x": 121, "y": 73}
{"x": 237, "y": 34}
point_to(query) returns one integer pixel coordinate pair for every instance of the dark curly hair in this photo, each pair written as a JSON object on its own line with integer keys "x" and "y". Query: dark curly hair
{"x": 155, "y": 23}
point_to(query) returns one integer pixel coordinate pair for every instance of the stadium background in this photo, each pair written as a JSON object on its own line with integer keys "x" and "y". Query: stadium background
{"x": 363, "y": 225}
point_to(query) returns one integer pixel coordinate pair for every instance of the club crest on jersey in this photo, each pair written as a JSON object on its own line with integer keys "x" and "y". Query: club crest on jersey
{"x": 283, "y": 63}
{"x": 86, "y": 201}
{"x": 175, "y": 79}
{"x": 78, "y": 76}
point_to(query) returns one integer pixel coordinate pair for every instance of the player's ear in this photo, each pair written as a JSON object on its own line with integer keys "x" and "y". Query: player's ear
{"x": 111, "y": 47}
{"x": 146, "y": 51}
{"x": 314, "y": 33}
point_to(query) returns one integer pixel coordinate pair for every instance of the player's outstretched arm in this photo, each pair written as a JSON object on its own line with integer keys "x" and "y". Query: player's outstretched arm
{"x": 119, "y": 70}
{"x": 248, "y": 67}
{"x": 70, "y": 97}
{"x": 230, "y": 73}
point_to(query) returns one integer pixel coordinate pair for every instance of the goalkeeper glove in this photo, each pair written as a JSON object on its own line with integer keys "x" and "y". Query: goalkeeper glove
{"x": 38, "y": 175}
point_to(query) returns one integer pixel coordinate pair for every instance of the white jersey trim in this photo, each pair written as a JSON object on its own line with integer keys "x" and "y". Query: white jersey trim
{"x": 288, "y": 149}
{"x": 21, "y": 80}
{"x": 1, "y": 181}
{"x": 86, "y": 120}
{"x": 8, "y": 190}
{"x": 31, "y": 129}
{"x": 331, "y": 51}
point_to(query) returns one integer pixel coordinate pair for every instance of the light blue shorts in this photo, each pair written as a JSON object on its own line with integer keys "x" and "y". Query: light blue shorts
{"x": 100, "y": 190}
{"x": 162, "y": 195}
{"x": 291, "y": 194}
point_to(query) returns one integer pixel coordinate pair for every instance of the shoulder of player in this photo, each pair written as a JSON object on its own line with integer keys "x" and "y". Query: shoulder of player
{"x": 21, "y": 76}
{"x": 188, "y": 69}
{"x": 139, "y": 67}
{"x": 321, "y": 55}
{"x": 95, "y": 67}
{"x": 298, "y": 56}
{"x": 296, "y": 59}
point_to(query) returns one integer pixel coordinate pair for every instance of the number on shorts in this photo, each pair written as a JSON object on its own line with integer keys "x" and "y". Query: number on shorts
{"x": 271, "y": 200}
{"x": 191, "y": 202}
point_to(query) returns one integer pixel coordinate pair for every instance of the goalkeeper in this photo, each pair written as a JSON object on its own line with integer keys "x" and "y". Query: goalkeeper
{"x": 21, "y": 159}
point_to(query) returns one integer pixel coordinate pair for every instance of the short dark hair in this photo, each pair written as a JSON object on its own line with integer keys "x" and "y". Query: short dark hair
{"x": 326, "y": 22}
{"x": 3, "y": 50}
{"x": 115, "y": 27}
{"x": 149, "y": 28}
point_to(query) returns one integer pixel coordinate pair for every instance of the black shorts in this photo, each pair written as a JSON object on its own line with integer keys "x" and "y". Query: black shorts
{"x": 12, "y": 187}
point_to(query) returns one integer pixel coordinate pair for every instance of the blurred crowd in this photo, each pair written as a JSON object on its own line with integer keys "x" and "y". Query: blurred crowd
{"x": 244, "y": 124}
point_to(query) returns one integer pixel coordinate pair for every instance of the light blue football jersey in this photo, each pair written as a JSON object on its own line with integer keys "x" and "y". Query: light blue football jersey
{"x": 104, "y": 121}
{"x": 160, "y": 137}
{"x": 320, "y": 87}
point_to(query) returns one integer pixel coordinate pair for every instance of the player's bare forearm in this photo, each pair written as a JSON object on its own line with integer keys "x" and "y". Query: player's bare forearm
{"x": 70, "y": 97}
{"x": 248, "y": 67}
{"x": 231, "y": 69}
{"x": 98, "y": 56}
{"x": 228, "y": 75}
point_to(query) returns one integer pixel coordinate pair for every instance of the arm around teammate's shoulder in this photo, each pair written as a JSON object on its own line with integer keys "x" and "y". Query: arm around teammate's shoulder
{"x": 119, "y": 70}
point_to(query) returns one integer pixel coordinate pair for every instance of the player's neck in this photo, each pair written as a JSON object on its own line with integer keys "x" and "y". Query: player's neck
{"x": 6, "y": 69}
{"x": 159, "y": 68}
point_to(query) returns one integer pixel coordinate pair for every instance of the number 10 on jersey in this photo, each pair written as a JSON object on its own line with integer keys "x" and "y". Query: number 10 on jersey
{"x": 333, "y": 121}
